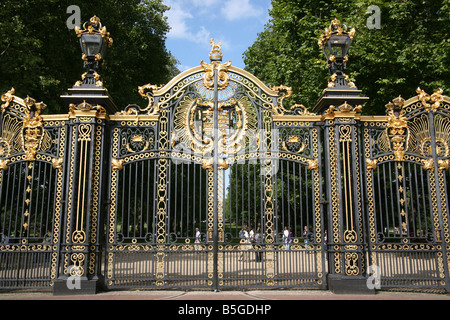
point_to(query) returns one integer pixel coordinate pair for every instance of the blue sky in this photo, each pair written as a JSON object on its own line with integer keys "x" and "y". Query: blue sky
{"x": 235, "y": 23}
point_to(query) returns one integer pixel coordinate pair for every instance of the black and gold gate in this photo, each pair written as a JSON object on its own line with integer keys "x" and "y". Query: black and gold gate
{"x": 215, "y": 184}
{"x": 205, "y": 179}
{"x": 407, "y": 176}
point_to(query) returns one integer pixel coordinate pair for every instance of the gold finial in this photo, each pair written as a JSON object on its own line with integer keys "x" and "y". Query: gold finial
{"x": 95, "y": 20}
{"x": 216, "y": 51}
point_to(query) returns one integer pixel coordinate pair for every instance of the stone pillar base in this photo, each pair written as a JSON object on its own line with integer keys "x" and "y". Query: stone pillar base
{"x": 340, "y": 284}
{"x": 74, "y": 287}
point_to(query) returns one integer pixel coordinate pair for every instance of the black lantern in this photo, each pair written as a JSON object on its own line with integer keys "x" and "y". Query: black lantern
{"x": 337, "y": 46}
{"x": 94, "y": 42}
{"x": 335, "y": 43}
{"x": 92, "y": 45}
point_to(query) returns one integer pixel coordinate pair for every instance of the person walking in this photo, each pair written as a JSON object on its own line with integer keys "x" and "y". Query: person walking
{"x": 197, "y": 239}
{"x": 245, "y": 242}
{"x": 305, "y": 236}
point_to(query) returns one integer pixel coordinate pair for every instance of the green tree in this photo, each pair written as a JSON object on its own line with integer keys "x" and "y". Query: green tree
{"x": 40, "y": 56}
{"x": 410, "y": 49}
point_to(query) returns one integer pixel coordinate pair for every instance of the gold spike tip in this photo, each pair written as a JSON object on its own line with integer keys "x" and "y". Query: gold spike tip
{"x": 94, "y": 20}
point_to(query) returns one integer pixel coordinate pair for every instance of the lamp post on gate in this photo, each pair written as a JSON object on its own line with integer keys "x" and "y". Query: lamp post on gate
{"x": 94, "y": 41}
{"x": 341, "y": 107}
{"x": 89, "y": 105}
{"x": 335, "y": 43}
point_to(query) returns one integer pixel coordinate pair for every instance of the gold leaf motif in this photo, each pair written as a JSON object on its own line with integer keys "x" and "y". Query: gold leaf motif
{"x": 117, "y": 164}
{"x": 313, "y": 164}
{"x": 7, "y": 97}
{"x": 428, "y": 164}
{"x": 436, "y": 99}
{"x": 4, "y": 164}
{"x": 443, "y": 164}
{"x": 57, "y": 163}
{"x": 371, "y": 164}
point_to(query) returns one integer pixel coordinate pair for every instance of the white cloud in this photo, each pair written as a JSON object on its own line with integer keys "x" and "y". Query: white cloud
{"x": 240, "y": 9}
{"x": 179, "y": 17}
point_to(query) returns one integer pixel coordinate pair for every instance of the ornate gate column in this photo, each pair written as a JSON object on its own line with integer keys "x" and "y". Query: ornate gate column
{"x": 341, "y": 106}
{"x": 341, "y": 110}
{"x": 80, "y": 258}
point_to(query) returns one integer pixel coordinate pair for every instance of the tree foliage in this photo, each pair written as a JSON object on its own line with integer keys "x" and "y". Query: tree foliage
{"x": 40, "y": 56}
{"x": 410, "y": 49}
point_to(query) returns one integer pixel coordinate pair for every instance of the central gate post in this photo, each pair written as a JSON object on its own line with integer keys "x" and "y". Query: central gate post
{"x": 80, "y": 260}
{"x": 346, "y": 244}
{"x": 216, "y": 175}
{"x": 341, "y": 106}
{"x": 89, "y": 105}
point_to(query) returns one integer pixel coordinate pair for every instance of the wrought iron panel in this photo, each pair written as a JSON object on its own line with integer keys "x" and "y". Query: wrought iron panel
{"x": 209, "y": 161}
{"x": 32, "y": 149}
{"x": 407, "y": 204}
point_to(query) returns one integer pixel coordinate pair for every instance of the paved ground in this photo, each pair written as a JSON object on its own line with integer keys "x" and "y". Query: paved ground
{"x": 281, "y": 295}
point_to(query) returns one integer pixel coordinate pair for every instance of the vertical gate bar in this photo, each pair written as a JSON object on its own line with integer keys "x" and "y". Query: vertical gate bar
{"x": 15, "y": 192}
{"x": 2, "y": 213}
{"x": 215, "y": 178}
{"x": 294, "y": 229}
{"x": 194, "y": 200}
{"x": 175, "y": 216}
{"x": 288, "y": 182}
{"x": 282, "y": 194}
{"x": 188, "y": 198}
{"x": 141, "y": 209}
{"x": 182, "y": 199}
{"x": 418, "y": 209}
{"x": 439, "y": 195}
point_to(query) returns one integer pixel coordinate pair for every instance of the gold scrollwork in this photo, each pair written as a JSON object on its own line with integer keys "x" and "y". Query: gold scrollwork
{"x": 4, "y": 164}
{"x": 436, "y": 99}
{"x": 57, "y": 163}
{"x": 85, "y": 107}
{"x": 7, "y": 97}
{"x": 397, "y": 128}
{"x": 27, "y": 135}
{"x": 222, "y": 68}
{"x": 194, "y": 119}
{"x": 443, "y": 164}
{"x": 313, "y": 164}
{"x": 117, "y": 164}
{"x": 371, "y": 164}
{"x": 428, "y": 164}
{"x": 208, "y": 77}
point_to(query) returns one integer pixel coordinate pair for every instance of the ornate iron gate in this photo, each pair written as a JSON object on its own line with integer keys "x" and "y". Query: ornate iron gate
{"x": 164, "y": 191}
{"x": 407, "y": 162}
{"x": 32, "y": 150}
{"x": 203, "y": 157}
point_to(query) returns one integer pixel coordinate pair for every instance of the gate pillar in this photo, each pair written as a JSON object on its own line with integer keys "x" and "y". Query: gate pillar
{"x": 341, "y": 109}
{"x": 81, "y": 252}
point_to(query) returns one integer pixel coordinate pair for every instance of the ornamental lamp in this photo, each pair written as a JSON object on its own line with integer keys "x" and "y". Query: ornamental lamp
{"x": 335, "y": 43}
{"x": 94, "y": 42}
{"x": 92, "y": 45}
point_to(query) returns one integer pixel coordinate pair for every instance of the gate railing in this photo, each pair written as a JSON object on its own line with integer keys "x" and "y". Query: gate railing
{"x": 370, "y": 191}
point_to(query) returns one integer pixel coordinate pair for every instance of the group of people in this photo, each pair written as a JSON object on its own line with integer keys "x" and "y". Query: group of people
{"x": 288, "y": 237}
{"x": 249, "y": 240}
